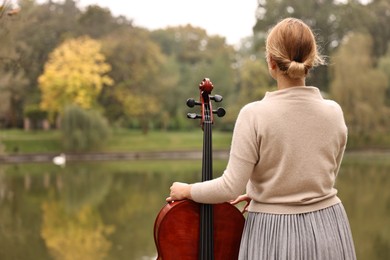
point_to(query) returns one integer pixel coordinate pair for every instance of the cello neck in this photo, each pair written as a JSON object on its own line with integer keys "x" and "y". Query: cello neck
{"x": 207, "y": 156}
{"x": 206, "y": 239}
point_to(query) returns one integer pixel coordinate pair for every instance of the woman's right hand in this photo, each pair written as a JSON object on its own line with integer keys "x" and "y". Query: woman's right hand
{"x": 241, "y": 198}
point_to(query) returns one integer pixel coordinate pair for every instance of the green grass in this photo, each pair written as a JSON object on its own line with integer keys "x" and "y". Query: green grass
{"x": 121, "y": 140}
{"x": 19, "y": 141}
{"x": 124, "y": 140}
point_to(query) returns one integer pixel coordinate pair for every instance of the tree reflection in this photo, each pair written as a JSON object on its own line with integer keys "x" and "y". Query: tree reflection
{"x": 363, "y": 185}
{"x": 72, "y": 226}
{"x": 107, "y": 210}
{"x": 79, "y": 235}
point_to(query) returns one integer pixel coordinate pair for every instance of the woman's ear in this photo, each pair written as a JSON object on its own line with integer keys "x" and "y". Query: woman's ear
{"x": 272, "y": 67}
{"x": 272, "y": 63}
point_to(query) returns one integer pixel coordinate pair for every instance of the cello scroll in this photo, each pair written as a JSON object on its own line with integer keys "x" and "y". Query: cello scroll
{"x": 205, "y": 87}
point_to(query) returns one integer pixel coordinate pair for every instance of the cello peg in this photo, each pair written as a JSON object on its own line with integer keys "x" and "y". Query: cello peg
{"x": 220, "y": 112}
{"x": 193, "y": 116}
{"x": 216, "y": 98}
{"x": 191, "y": 102}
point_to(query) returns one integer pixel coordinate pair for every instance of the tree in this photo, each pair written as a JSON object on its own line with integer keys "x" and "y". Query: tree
{"x": 12, "y": 77}
{"x": 43, "y": 27}
{"x": 322, "y": 16}
{"x": 197, "y": 56}
{"x": 379, "y": 27}
{"x": 74, "y": 74}
{"x": 360, "y": 89}
{"x": 141, "y": 76}
{"x": 83, "y": 130}
{"x": 255, "y": 81}
{"x": 98, "y": 22}
{"x": 384, "y": 66}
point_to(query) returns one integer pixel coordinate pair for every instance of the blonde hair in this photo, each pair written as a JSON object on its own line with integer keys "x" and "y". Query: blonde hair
{"x": 292, "y": 45}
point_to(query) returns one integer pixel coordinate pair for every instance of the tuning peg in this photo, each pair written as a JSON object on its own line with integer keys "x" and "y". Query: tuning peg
{"x": 193, "y": 116}
{"x": 191, "y": 102}
{"x": 216, "y": 98}
{"x": 220, "y": 112}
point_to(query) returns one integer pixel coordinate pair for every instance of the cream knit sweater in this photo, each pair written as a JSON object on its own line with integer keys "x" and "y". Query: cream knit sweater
{"x": 286, "y": 152}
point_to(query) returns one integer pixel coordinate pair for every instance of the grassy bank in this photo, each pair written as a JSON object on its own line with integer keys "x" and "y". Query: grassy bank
{"x": 122, "y": 140}
{"x": 19, "y": 141}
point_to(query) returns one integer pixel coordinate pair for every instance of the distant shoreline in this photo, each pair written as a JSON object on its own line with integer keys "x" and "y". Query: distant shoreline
{"x": 123, "y": 156}
{"x": 135, "y": 156}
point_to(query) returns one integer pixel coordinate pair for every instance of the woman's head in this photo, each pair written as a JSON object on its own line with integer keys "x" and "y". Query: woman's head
{"x": 292, "y": 46}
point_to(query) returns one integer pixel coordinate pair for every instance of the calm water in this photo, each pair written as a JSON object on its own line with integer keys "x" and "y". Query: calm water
{"x": 107, "y": 210}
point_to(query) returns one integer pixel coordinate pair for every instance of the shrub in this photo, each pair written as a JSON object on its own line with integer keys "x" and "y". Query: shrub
{"x": 83, "y": 130}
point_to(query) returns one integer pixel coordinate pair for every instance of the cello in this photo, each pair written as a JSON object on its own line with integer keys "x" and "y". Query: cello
{"x": 186, "y": 230}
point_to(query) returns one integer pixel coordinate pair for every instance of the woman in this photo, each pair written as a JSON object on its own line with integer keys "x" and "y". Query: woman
{"x": 286, "y": 152}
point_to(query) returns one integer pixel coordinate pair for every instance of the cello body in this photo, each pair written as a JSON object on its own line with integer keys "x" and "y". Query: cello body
{"x": 177, "y": 233}
{"x": 186, "y": 230}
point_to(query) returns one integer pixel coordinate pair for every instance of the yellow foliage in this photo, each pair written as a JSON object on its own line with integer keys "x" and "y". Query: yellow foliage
{"x": 74, "y": 74}
{"x": 137, "y": 105}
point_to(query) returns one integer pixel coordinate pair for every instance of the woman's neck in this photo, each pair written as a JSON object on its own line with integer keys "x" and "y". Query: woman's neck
{"x": 284, "y": 82}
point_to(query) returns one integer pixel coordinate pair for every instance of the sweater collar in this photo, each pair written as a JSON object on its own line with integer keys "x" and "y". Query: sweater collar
{"x": 295, "y": 92}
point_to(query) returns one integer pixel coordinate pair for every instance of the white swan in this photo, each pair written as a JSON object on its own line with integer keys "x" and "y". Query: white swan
{"x": 60, "y": 160}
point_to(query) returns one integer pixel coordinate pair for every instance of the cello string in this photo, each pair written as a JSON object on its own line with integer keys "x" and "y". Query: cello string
{"x": 210, "y": 208}
{"x": 208, "y": 224}
{"x": 206, "y": 219}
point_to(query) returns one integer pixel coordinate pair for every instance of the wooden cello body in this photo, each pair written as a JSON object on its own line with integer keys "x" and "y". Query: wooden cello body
{"x": 187, "y": 230}
{"x": 177, "y": 231}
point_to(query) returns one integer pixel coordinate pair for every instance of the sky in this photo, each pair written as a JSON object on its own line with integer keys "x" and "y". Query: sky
{"x": 232, "y": 19}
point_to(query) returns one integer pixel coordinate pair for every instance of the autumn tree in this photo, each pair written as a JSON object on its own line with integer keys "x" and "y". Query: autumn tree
{"x": 74, "y": 74}
{"x": 43, "y": 27}
{"x": 360, "y": 89}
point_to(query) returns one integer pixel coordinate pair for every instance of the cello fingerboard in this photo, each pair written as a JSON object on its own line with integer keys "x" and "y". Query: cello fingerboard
{"x": 206, "y": 243}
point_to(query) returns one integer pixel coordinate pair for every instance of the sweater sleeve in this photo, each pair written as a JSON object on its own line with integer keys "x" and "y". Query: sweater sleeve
{"x": 243, "y": 157}
{"x": 343, "y": 141}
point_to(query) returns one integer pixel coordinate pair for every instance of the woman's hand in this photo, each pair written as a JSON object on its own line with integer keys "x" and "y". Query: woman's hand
{"x": 241, "y": 198}
{"x": 179, "y": 191}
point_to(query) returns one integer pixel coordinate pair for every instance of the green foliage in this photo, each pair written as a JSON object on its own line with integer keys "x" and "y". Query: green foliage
{"x": 360, "y": 89}
{"x": 331, "y": 21}
{"x": 33, "y": 112}
{"x": 13, "y": 82}
{"x": 98, "y": 22}
{"x": 156, "y": 71}
{"x": 384, "y": 66}
{"x": 83, "y": 130}
{"x": 40, "y": 28}
{"x": 137, "y": 67}
{"x": 197, "y": 56}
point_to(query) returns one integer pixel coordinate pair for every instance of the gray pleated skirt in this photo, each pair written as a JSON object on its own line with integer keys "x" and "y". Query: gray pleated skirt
{"x": 318, "y": 235}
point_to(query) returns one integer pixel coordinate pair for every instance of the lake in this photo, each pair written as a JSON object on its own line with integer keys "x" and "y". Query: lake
{"x": 106, "y": 210}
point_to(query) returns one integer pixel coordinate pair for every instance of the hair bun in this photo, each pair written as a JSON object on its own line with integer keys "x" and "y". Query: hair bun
{"x": 296, "y": 70}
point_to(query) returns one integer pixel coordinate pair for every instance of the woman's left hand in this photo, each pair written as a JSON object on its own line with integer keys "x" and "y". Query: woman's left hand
{"x": 179, "y": 191}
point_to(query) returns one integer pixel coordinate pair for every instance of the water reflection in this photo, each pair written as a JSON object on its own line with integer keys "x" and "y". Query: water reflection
{"x": 107, "y": 210}
{"x": 364, "y": 187}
